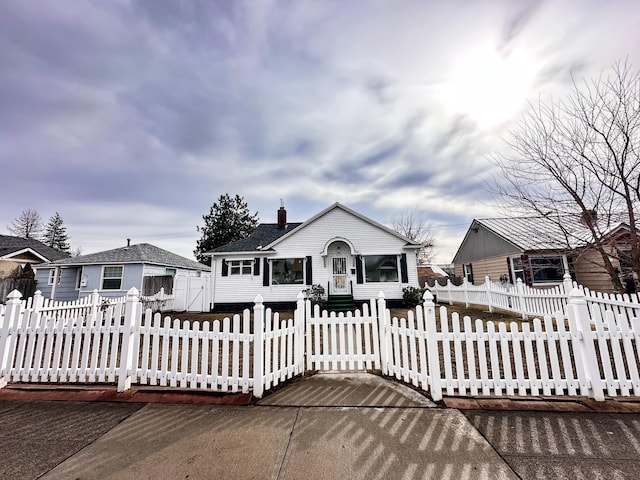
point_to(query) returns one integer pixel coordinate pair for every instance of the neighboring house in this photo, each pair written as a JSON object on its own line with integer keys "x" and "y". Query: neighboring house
{"x": 346, "y": 253}
{"x": 535, "y": 250}
{"x": 18, "y": 255}
{"x": 113, "y": 272}
{"x": 426, "y": 273}
{"x": 16, "y": 252}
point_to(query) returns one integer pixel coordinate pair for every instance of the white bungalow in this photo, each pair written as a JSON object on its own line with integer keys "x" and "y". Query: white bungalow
{"x": 349, "y": 255}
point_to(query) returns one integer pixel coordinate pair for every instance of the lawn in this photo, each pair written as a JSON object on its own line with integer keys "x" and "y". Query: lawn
{"x": 474, "y": 312}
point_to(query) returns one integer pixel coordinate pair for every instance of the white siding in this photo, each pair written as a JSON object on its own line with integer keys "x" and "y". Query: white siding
{"x": 159, "y": 270}
{"x": 311, "y": 240}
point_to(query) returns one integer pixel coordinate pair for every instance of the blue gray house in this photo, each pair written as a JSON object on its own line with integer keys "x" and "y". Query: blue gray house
{"x": 113, "y": 272}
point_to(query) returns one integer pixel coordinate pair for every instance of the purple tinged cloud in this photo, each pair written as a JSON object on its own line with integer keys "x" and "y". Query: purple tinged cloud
{"x": 131, "y": 118}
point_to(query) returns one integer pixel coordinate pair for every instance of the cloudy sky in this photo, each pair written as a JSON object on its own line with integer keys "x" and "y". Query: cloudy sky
{"x": 130, "y": 118}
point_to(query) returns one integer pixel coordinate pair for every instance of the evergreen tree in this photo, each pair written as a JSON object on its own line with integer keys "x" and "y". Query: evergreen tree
{"x": 27, "y": 225}
{"x": 228, "y": 220}
{"x": 55, "y": 234}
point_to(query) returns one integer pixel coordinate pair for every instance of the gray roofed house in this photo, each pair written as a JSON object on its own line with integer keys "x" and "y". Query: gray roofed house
{"x": 113, "y": 272}
{"x": 15, "y": 254}
{"x": 537, "y": 250}
{"x": 29, "y": 250}
{"x": 352, "y": 257}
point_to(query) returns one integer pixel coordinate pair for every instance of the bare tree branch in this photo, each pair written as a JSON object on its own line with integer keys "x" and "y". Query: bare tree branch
{"x": 580, "y": 157}
{"x": 414, "y": 226}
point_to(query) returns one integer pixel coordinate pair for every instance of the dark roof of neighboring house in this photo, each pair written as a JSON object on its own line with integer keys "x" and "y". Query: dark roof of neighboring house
{"x": 263, "y": 235}
{"x": 10, "y": 244}
{"x": 140, "y": 253}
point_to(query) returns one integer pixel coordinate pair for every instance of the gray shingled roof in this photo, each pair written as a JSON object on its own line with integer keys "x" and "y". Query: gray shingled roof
{"x": 263, "y": 235}
{"x": 140, "y": 253}
{"x": 542, "y": 233}
{"x": 10, "y": 244}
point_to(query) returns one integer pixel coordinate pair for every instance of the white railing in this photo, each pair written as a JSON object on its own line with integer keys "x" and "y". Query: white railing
{"x": 581, "y": 351}
{"x": 528, "y": 301}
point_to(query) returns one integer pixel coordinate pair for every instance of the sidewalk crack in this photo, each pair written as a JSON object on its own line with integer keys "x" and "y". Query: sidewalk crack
{"x": 286, "y": 450}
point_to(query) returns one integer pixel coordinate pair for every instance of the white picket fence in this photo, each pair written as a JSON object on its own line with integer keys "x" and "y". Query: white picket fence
{"x": 577, "y": 352}
{"x": 528, "y": 301}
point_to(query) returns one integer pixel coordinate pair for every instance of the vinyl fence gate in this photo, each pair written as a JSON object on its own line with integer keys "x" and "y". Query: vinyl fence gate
{"x": 343, "y": 341}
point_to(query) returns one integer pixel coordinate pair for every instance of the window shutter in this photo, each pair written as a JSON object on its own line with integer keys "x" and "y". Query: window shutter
{"x": 225, "y": 268}
{"x": 511, "y": 276}
{"x": 256, "y": 266}
{"x": 404, "y": 274}
{"x": 359, "y": 276}
{"x": 471, "y": 274}
{"x": 309, "y": 271}
{"x": 265, "y": 273}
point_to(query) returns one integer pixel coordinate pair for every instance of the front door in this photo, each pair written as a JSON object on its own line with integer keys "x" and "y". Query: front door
{"x": 339, "y": 283}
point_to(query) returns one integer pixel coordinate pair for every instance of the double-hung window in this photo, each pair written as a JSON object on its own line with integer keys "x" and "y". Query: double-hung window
{"x": 112, "y": 277}
{"x": 241, "y": 267}
{"x": 52, "y": 276}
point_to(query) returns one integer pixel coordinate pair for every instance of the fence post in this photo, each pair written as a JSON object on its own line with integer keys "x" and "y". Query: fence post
{"x": 382, "y": 327}
{"x": 299, "y": 327}
{"x": 258, "y": 347}
{"x": 8, "y": 326}
{"x": 487, "y": 285}
{"x": 95, "y": 305}
{"x": 429, "y": 310}
{"x": 582, "y": 338}
{"x": 129, "y": 335}
{"x": 520, "y": 295}
{"x": 38, "y": 301}
{"x": 449, "y": 290}
{"x": 568, "y": 285}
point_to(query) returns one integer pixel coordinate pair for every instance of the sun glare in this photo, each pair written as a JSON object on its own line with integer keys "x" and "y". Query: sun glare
{"x": 488, "y": 87}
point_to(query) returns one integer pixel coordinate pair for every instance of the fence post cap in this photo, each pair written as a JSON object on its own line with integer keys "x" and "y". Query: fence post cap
{"x": 518, "y": 280}
{"x": 133, "y": 292}
{"x": 427, "y": 296}
{"x": 576, "y": 296}
{"x": 14, "y": 295}
{"x": 38, "y": 293}
{"x": 300, "y": 296}
{"x": 566, "y": 276}
{"x": 381, "y": 295}
{"x": 258, "y": 300}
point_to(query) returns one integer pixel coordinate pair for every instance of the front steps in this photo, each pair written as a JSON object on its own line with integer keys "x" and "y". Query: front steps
{"x": 341, "y": 303}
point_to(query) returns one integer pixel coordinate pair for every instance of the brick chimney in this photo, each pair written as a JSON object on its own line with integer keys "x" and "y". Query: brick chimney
{"x": 282, "y": 216}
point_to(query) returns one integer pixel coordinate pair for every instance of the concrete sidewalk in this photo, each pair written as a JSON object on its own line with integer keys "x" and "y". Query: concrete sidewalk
{"x": 322, "y": 427}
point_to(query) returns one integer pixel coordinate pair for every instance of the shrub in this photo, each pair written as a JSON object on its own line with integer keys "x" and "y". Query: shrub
{"x": 315, "y": 293}
{"x": 412, "y": 296}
